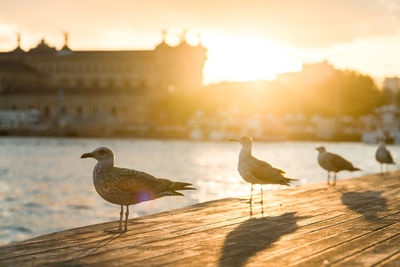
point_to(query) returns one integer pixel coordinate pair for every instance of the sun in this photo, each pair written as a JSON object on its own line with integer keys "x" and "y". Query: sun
{"x": 233, "y": 58}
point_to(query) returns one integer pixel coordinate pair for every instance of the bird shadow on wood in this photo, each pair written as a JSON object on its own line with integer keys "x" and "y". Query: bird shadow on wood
{"x": 367, "y": 203}
{"x": 255, "y": 235}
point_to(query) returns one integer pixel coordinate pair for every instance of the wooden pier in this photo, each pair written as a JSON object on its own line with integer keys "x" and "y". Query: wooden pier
{"x": 356, "y": 223}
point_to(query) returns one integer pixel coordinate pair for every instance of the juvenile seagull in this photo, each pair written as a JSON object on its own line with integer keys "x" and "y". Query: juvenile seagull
{"x": 256, "y": 171}
{"x": 333, "y": 163}
{"x": 127, "y": 187}
{"x": 383, "y": 155}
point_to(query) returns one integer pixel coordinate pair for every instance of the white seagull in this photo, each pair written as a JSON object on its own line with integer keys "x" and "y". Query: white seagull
{"x": 256, "y": 171}
{"x": 383, "y": 155}
{"x": 333, "y": 163}
{"x": 126, "y": 187}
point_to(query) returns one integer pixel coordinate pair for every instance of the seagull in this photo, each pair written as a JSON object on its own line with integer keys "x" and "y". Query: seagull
{"x": 333, "y": 163}
{"x": 256, "y": 171}
{"x": 383, "y": 155}
{"x": 126, "y": 187}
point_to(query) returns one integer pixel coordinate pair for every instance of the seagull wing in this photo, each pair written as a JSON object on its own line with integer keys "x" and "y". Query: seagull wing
{"x": 137, "y": 181}
{"x": 389, "y": 157}
{"x": 383, "y": 155}
{"x": 338, "y": 162}
{"x": 266, "y": 173}
{"x": 133, "y": 180}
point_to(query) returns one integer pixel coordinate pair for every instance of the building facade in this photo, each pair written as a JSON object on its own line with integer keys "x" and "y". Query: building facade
{"x": 90, "y": 85}
{"x": 392, "y": 84}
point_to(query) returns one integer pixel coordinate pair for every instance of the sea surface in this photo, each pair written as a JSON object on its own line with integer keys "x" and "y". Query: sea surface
{"x": 46, "y": 187}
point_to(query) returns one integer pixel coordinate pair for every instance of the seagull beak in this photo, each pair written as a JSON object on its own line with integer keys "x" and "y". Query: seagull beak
{"x": 233, "y": 140}
{"x": 87, "y": 155}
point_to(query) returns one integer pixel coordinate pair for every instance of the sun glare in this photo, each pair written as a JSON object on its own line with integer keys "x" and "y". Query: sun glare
{"x": 245, "y": 59}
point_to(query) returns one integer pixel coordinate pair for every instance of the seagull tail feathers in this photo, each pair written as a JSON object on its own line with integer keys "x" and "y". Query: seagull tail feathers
{"x": 287, "y": 180}
{"x": 182, "y": 186}
{"x": 356, "y": 169}
{"x": 172, "y": 193}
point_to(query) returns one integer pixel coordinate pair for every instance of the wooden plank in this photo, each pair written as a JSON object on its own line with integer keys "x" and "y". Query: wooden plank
{"x": 393, "y": 260}
{"x": 377, "y": 253}
{"x": 356, "y": 222}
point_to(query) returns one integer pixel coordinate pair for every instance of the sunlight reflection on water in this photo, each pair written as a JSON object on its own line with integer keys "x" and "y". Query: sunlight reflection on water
{"x": 46, "y": 187}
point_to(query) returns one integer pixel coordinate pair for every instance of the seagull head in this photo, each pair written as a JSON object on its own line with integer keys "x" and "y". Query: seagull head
{"x": 244, "y": 140}
{"x": 320, "y": 149}
{"x": 101, "y": 154}
{"x": 381, "y": 140}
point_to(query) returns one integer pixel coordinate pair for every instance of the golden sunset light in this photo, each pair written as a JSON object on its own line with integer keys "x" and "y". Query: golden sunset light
{"x": 225, "y": 133}
{"x": 235, "y": 58}
{"x": 246, "y": 41}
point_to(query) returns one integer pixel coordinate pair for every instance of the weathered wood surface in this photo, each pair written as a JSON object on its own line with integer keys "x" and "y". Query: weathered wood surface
{"x": 356, "y": 223}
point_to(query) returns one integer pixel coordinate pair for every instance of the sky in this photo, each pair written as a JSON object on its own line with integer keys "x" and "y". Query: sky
{"x": 246, "y": 39}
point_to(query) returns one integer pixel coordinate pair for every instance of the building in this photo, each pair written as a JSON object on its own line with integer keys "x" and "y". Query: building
{"x": 310, "y": 74}
{"x": 392, "y": 84}
{"x": 97, "y": 85}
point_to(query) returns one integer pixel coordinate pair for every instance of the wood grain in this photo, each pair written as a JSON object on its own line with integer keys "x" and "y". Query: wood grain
{"x": 356, "y": 223}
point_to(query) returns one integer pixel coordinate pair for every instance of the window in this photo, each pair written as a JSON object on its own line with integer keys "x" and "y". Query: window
{"x": 111, "y": 83}
{"x": 46, "y": 111}
{"x": 79, "y": 110}
{"x": 95, "y": 83}
{"x": 64, "y": 82}
{"x": 114, "y": 111}
{"x": 79, "y": 82}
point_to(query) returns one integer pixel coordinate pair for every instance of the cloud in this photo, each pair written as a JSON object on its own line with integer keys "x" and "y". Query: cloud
{"x": 7, "y": 36}
{"x": 305, "y": 23}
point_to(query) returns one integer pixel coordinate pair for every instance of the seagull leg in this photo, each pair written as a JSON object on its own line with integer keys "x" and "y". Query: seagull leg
{"x": 251, "y": 201}
{"x": 329, "y": 176}
{"x": 126, "y": 218}
{"x": 120, "y": 218}
{"x": 251, "y": 194}
{"x": 262, "y": 203}
{"x": 381, "y": 169}
{"x": 334, "y": 181}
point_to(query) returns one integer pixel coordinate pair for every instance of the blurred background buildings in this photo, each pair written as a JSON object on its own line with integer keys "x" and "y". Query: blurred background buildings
{"x": 90, "y": 89}
{"x": 160, "y": 93}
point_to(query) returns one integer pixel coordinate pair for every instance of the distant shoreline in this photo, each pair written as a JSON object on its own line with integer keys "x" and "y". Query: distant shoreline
{"x": 28, "y": 134}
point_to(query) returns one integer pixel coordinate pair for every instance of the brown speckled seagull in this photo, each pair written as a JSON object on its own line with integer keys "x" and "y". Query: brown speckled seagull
{"x": 383, "y": 155}
{"x": 333, "y": 163}
{"x": 256, "y": 171}
{"x": 126, "y": 187}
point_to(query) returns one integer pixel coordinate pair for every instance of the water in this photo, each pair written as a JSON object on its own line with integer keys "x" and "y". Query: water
{"x": 46, "y": 187}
